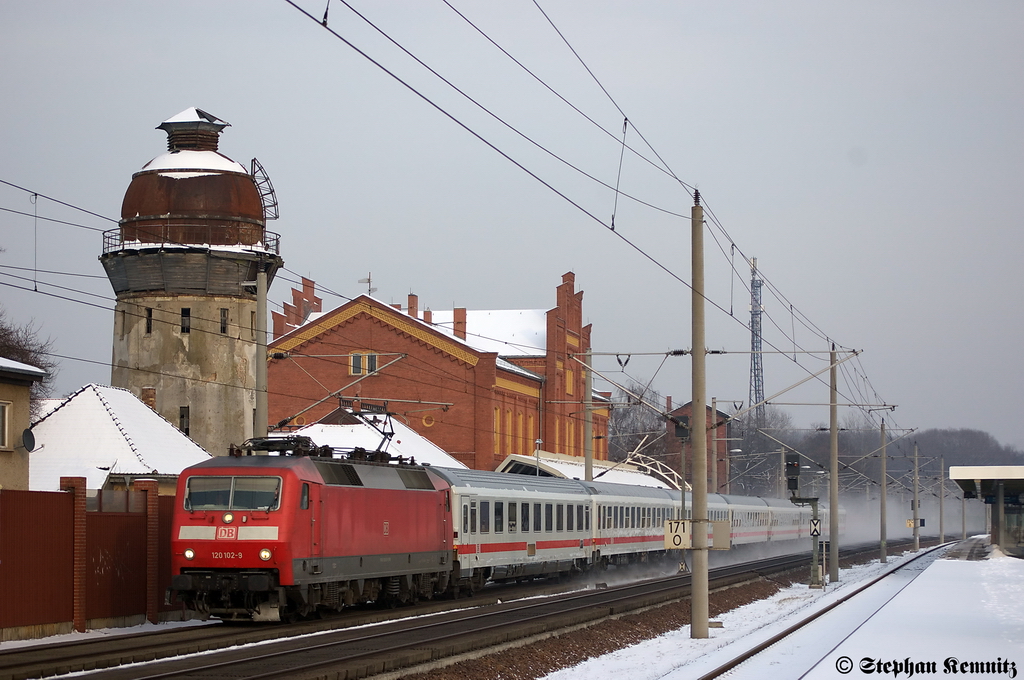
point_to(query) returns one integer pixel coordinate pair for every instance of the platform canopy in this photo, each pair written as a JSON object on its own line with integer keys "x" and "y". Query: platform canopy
{"x": 980, "y": 481}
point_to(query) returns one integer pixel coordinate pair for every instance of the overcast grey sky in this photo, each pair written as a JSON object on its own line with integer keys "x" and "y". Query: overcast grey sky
{"x": 867, "y": 154}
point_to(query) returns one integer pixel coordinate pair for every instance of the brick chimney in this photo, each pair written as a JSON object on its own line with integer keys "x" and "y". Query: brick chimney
{"x": 459, "y": 325}
{"x": 428, "y": 317}
{"x": 414, "y": 306}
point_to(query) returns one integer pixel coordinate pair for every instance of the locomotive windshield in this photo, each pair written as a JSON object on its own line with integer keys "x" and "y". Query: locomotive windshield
{"x": 233, "y": 493}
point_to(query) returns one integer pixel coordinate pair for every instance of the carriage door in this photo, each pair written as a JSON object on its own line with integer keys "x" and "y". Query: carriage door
{"x": 469, "y": 539}
{"x": 310, "y": 505}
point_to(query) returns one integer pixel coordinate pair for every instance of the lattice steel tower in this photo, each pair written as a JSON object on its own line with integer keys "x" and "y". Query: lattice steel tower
{"x": 756, "y": 370}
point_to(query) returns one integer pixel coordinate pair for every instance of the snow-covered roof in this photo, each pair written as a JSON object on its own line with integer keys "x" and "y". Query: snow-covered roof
{"x": 573, "y": 467}
{"x": 12, "y": 366}
{"x": 509, "y": 332}
{"x": 194, "y": 115}
{"x": 102, "y": 430}
{"x": 188, "y": 159}
{"x": 405, "y": 442}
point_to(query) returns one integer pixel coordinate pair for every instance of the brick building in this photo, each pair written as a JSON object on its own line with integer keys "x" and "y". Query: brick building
{"x": 673, "y": 446}
{"x": 479, "y": 384}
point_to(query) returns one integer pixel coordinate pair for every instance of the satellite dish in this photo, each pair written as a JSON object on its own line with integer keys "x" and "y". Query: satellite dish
{"x": 28, "y": 440}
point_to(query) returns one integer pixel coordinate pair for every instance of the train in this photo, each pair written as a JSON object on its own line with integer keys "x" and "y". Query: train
{"x": 277, "y": 537}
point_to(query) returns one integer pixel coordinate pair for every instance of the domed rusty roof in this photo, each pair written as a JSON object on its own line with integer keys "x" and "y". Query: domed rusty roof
{"x": 192, "y": 194}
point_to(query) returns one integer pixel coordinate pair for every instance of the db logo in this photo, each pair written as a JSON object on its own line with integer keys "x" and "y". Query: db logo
{"x": 387, "y": 528}
{"x": 227, "y": 533}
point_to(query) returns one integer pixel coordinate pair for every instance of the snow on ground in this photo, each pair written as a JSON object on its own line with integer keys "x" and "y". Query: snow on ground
{"x": 970, "y": 611}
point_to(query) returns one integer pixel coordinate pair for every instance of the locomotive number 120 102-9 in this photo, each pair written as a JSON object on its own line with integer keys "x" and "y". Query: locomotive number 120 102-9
{"x": 226, "y": 555}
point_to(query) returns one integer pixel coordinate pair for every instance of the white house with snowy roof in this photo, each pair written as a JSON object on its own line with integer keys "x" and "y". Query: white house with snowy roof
{"x": 110, "y": 437}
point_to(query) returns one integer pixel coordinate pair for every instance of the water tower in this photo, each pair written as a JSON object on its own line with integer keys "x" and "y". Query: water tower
{"x": 184, "y": 264}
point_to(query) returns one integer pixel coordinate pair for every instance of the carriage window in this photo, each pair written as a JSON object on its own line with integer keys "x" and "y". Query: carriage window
{"x": 499, "y": 516}
{"x": 536, "y": 516}
{"x": 548, "y": 517}
{"x": 579, "y": 518}
{"x": 472, "y": 516}
{"x": 559, "y": 512}
{"x": 304, "y": 501}
{"x": 485, "y": 517}
{"x": 568, "y": 518}
{"x": 465, "y": 519}
{"x": 586, "y": 515}
{"x": 512, "y": 509}
{"x": 526, "y": 516}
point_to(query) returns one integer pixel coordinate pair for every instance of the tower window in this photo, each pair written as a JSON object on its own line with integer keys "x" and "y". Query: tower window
{"x": 223, "y": 320}
{"x": 149, "y": 320}
{"x": 183, "y": 419}
{"x": 186, "y": 320}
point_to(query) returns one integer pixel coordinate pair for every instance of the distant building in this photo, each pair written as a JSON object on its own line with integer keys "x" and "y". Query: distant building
{"x": 718, "y": 460}
{"x": 16, "y": 380}
{"x": 183, "y": 263}
{"x": 479, "y": 384}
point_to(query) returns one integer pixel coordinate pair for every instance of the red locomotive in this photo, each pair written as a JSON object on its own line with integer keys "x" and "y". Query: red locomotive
{"x": 256, "y": 537}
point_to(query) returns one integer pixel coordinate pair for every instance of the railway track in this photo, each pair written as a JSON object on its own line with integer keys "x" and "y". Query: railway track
{"x": 780, "y": 638}
{"x": 439, "y": 629}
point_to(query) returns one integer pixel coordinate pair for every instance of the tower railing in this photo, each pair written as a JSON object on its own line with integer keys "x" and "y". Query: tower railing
{"x": 191, "y": 235}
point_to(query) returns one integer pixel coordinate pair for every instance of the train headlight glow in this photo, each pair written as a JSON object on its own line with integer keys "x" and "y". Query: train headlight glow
{"x": 190, "y": 554}
{"x": 228, "y": 518}
{"x": 265, "y": 554}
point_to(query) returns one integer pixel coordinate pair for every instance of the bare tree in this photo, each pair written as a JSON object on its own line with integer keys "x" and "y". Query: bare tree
{"x": 23, "y": 344}
{"x": 634, "y": 424}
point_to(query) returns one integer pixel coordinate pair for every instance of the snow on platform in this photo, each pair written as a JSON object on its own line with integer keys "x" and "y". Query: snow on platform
{"x": 939, "y": 611}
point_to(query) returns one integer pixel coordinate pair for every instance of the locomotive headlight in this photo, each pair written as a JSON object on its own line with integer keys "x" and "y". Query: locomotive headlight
{"x": 228, "y": 518}
{"x": 265, "y": 554}
{"x": 190, "y": 554}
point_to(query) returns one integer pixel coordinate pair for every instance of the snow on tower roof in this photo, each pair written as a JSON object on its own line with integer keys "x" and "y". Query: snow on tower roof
{"x": 194, "y": 115}
{"x": 102, "y": 430}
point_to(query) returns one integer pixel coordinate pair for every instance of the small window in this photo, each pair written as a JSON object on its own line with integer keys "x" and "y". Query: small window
{"x": 465, "y": 519}
{"x": 536, "y": 516}
{"x": 579, "y": 518}
{"x": 512, "y": 517}
{"x": 149, "y": 320}
{"x": 5, "y": 414}
{"x": 183, "y": 419}
{"x": 499, "y": 516}
{"x": 568, "y": 518}
{"x": 526, "y": 516}
{"x": 549, "y": 517}
{"x": 586, "y": 515}
{"x": 186, "y": 320}
{"x": 223, "y": 321}
{"x": 304, "y": 500}
{"x": 559, "y": 515}
{"x": 362, "y": 363}
{"x": 472, "y": 517}
{"x": 485, "y": 517}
